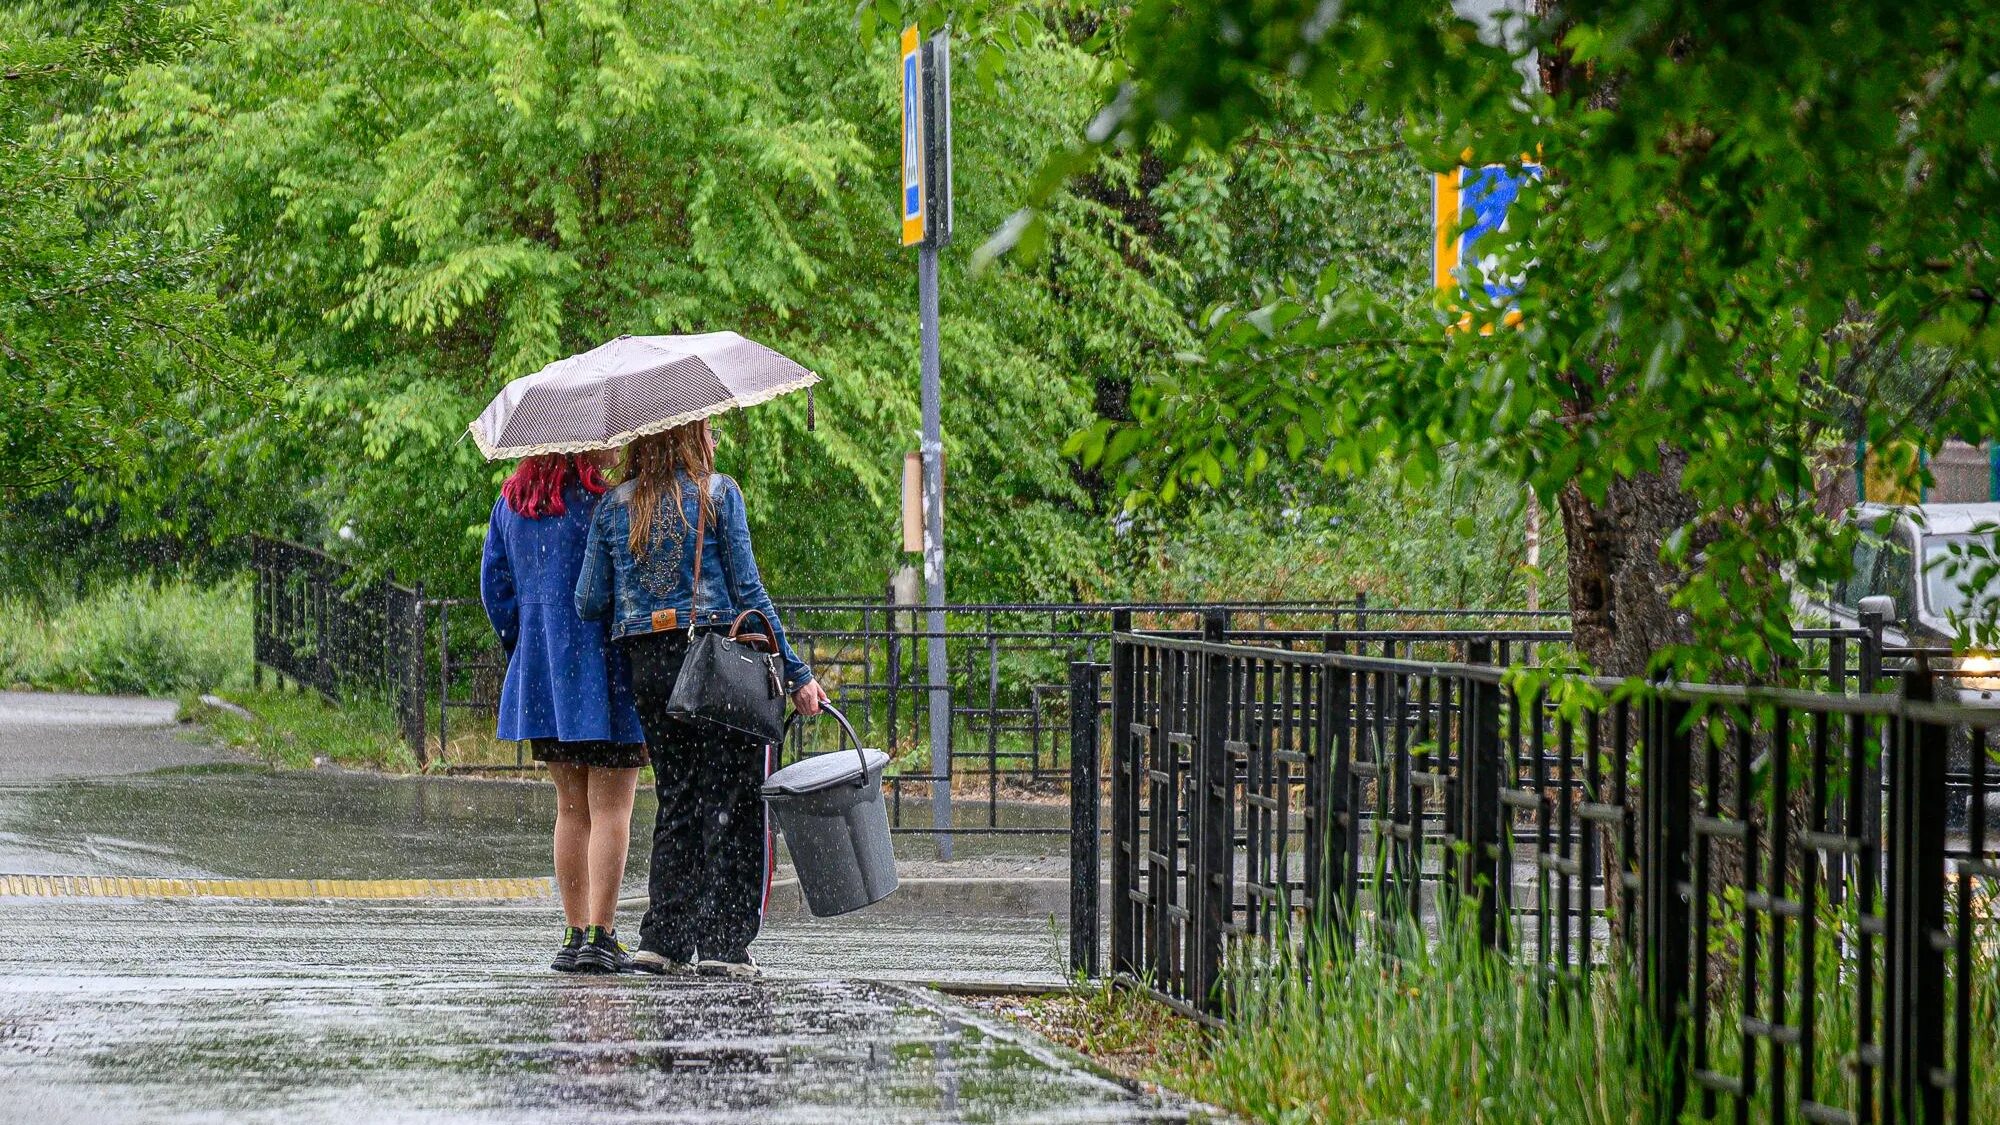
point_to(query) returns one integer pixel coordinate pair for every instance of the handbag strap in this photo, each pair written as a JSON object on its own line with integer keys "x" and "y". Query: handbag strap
{"x": 700, "y": 528}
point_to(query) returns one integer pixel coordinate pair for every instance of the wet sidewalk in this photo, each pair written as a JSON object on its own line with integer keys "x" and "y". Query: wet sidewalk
{"x": 353, "y": 1012}
{"x": 348, "y": 1010}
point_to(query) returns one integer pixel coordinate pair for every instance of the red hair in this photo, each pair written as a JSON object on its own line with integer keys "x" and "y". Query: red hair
{"x": 535, "y": 490}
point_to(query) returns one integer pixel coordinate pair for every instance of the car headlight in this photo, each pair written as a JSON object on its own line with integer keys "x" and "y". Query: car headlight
{"x": 1980, "y": 672}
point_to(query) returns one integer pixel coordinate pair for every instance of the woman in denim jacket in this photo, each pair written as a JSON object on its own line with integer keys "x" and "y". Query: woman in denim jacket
{"x": 711, "y": 849}
{"x": 565, "y": 691}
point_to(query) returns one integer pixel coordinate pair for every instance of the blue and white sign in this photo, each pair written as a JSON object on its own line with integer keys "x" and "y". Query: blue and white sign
{"x": 913, "y": 140}
{"x": 1469, "y": 204}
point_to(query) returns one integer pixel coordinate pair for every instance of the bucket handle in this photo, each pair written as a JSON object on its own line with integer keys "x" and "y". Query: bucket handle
{"x": 859, "y": 782}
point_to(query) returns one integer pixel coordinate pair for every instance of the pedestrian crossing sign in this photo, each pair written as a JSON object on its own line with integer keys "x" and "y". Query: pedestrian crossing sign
{"x": 913, "y": 139}
{"x": 1467, "y": 204}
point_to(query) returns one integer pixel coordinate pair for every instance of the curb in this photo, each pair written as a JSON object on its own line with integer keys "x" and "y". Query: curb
{"x": 969, "y": 897}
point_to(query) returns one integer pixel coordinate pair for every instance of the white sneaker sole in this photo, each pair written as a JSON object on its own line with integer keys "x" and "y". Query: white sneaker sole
{"x": 661, "y": 967}
{"x": 740, "y": 970}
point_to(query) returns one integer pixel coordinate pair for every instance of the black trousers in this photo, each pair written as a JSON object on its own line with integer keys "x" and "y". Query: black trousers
{"x": 711, "y": 847}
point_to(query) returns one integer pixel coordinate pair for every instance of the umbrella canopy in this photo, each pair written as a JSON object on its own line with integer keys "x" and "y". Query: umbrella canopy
{"x": 631, "y": 387}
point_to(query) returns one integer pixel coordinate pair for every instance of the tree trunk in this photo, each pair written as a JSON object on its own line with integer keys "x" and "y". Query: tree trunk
{"x": 1619, "y": 590}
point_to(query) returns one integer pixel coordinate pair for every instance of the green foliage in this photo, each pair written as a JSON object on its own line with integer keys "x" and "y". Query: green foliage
{"x": 110, "y": 337}
{"x": 1455, "y": 541}
{"x": 429, "y": 200}
{"x": 1742, "y": 241}
{"x": 134, "y": 637}
{"x": 1434, "y": 1033}
{"x": 296, "y": 728}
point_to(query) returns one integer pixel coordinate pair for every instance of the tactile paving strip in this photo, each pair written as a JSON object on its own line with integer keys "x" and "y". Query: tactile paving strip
{"x": 119, "y": 886}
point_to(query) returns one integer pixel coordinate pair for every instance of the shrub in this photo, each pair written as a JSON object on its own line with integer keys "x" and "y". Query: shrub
{"x": 133, "y": 637}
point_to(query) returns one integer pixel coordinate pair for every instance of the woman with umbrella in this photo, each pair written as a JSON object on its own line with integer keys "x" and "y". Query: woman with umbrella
{"x": 669, "y": 555}
{"x": 653, "y": 568}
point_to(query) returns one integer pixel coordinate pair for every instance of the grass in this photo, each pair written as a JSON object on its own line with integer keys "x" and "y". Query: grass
{"x": 134, "y": 637}
{"x": 1442, "y": 1032}
{"x": 1446, "y": 1034}
{"x": 174, "y": 638}
{"x": 1126, "y": 1033}
{"x": 299, "y": 728}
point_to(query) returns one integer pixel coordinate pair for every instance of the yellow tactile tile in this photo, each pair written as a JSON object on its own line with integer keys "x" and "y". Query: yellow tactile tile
{"x": 123, "y": 886}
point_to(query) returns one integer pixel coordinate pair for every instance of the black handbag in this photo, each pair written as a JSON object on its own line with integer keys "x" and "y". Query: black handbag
{"x": 734, "y": 681}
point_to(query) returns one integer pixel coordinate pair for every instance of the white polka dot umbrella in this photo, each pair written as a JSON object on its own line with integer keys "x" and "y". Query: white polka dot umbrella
{"x": 631, "y": 387}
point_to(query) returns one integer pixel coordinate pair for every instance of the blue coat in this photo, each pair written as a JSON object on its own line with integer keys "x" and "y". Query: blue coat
{"x": 564, "y": 679}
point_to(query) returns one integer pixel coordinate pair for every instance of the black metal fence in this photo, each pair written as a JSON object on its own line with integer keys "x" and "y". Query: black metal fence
{"x": 436, "y": 661}
{"x": 314, "y": 619}
{"x": 1802, "y": 884}
{"x": 1008, "y": 691}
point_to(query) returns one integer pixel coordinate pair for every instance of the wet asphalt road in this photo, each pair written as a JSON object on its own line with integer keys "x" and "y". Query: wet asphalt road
{"x": 215, "y": 1009}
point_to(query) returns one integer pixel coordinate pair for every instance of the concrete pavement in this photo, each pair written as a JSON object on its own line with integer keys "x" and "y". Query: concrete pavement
{"x": 46, "y": 736}
{"x": 351, "y": 1010}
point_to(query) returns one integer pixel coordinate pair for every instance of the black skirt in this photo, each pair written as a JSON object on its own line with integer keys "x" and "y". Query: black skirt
{"x": 603, "y": 755}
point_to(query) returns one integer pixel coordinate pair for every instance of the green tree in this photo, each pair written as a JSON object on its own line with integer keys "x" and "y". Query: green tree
{"x": 430, "y": 198}
{"x": 110, "y": 334}
{"x": 1752, "y": 215}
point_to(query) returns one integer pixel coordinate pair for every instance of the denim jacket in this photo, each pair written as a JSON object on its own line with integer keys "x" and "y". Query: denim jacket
{"x": 632, "y": 589}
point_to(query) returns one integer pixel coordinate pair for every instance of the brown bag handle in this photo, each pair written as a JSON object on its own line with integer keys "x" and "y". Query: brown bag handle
{"x": 765, "y": 640}
{"x": 694, "y": 596}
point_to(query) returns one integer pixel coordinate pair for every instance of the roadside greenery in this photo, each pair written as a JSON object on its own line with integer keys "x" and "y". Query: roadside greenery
{"x": 300, "y": 729}
{"x": 1433, "y": 1033}
{"x": 1456, "y": 539}
{"x": 111, "y": 335}
{"x": 431, "y": 199}
{"x": 1441, "y": 1031}
{"x": 1744, "y": 250}
{"x": 134, "y": 637}
{"x": 408, "y": 206}
{"x": 1441, "y": 1035}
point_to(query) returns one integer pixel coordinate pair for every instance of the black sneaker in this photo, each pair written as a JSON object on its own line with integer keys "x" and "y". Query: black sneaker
{"x": 565, "y": 961}
{"x": 602, "y": 953}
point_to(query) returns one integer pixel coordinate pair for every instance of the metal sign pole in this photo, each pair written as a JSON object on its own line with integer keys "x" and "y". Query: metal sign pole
{"x": 934, "y": 618}
{"x": 926, "y": 222}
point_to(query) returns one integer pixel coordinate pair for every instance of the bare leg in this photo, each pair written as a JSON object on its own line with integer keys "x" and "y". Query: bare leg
{"x": 611, "y": 793}
{"x": 573, "y": 823}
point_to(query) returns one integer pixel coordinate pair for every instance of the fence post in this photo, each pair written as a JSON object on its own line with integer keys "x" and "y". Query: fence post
{"x": 1084, "y": 857}
{"x": 260, "y": 597}
{"x": 444, "y": 678}
{"x": 1915, "y": 1007}
{"x": 412, "y": 627}
{"x": 1479, "y": 814}
{"x": 1663, "y": 870}
{"x": 895, "y": 680}
{"x": 1871, "y": 651}
{"x": 1334, "y": 886}
{"x": 1124, "y": 804}
{"x": 1212, "y": 834}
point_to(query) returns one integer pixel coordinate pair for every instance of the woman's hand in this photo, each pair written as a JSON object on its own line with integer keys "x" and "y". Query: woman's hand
{"x": 809, "y": 699}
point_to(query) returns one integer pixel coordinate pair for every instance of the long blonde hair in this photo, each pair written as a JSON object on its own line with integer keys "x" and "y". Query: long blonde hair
{"x": 654, "y": 465}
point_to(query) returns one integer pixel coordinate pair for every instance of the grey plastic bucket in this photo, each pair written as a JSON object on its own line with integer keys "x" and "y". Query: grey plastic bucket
{"x": 829, "y": 806}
